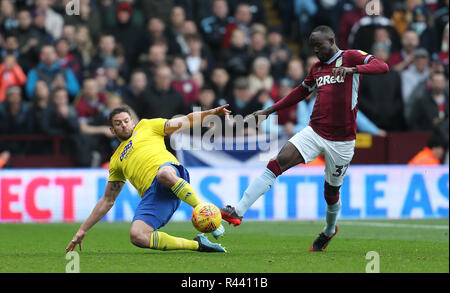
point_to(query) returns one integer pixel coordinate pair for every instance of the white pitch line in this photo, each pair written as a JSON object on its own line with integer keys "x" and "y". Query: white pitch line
{"x": 394, "y": 225}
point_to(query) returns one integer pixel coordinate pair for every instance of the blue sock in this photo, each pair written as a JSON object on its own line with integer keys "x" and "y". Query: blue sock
{"x": 257, "y": 187}
{"x": 331, "y": 218}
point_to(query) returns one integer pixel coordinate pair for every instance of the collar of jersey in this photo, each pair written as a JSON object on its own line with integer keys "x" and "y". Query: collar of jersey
{"x": 334, "y": 57}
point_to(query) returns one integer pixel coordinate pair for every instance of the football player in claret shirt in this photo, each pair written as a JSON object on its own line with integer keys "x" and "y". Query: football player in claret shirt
{"x": 160, "y": 179}
{"x": 332, "y": 127}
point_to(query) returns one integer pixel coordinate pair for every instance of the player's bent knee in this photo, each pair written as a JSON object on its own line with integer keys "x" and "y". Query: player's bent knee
{"x": 167, "y": 176}
{"x": 140, "y": 234}
{"x": 331, "y": 193}
{"x": 140, "y": 239}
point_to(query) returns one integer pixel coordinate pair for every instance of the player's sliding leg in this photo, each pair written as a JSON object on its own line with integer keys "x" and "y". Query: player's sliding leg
{"x": 332, "y": 213}
{"x": 288, "y": 157}
{"x": 144, "y": 236}
{"x": 168, "y": 177}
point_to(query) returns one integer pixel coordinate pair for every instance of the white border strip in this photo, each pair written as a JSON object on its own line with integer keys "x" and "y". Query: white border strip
{"x": 394, "y": 225}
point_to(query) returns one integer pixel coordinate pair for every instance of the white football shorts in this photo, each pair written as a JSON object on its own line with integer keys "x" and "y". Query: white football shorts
{"x": 338, "y": 154}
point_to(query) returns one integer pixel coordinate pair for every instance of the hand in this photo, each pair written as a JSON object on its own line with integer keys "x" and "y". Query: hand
{"x": 221, "y": 111}
{"x": 259, "y": 115}
{"x": 76, "y": 240}
{"x": 343, "y": 71}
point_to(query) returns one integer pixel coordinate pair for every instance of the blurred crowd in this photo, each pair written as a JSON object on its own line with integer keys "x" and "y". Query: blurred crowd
{"x": 65, "y": 64}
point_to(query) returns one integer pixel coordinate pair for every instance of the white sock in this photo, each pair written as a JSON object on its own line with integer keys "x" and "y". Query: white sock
{"x": 257, "y": 187}
{"x": 331, "y": 218}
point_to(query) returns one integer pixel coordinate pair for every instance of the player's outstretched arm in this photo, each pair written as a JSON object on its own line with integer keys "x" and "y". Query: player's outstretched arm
{"x": 112, "y": 190}
{"x": 194, "y": 118}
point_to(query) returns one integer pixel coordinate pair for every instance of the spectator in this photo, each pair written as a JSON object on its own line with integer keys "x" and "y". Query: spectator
{"x": 295, "y": 70}
{"x": 16, "y": 118}
{"x": 416, "y": 73}
{"x": 242, "y": 21}
{"x": 220, "y": 83}
{"x": 10, "y": 75}
{"x": 199, "y": 58}
{"x": 126, "y": 33}
{"x": 101, "y": 142}
{"x": 441, "y": 20}
{"x": 432, "y": 154}
{"x": 182, "y": 82}
{"x": 287, "y": 115}
{"x": 108, "y": 78}
{"x": 401, "y": 60}
{"x": 442, "y": 56}
{"x": 10, "y": 47}
{"x": 136, "y": 93}
{"x": 156, "y": 32}
{"x": 258, "y": 45}
{"x": 39, "y": 18}
{"x": 380, "y": 96}
{"x": 90, "y": 101}
{"x": 260, "y": 78}
{"x": 8, "y": 21}
{"x": 157, "y": 56}
{"x": 51, "y": 72}
{"x": 257, "y": 10}
{"x": 199, "y": 79}
{"x": 53, "y": 21}
{"x": 41, "y": 108}
{"x": 430, "y": 110}
{"x": 67, "y": 60}
{"x": 270, "y": 125}
{"x": 427, "y": 34}
{"x": 242, "y": 102}
{"x": 279, "y": 53}
{"x": 64, "y": 120}
{"x": 29, "y": 39}
{"x": 85, "y": 48}
{"x": 214, "y": 26}
{"x": 348, "y": 20}
{"x": 89, "y": 16}
{"x": 206, "y": 100}
{"x": 163, "y": 100}
{"x": 176, "y": 27}
{"x": 4, "y": 158}
{"x": 362, "y": 35}
{"x": 159, "y": 8}
{"x": 107, "y": 49}
{"x": 237, "y": 58}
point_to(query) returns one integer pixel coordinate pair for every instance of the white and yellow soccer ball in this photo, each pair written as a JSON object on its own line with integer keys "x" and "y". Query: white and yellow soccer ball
{"x": 206, "y": 217}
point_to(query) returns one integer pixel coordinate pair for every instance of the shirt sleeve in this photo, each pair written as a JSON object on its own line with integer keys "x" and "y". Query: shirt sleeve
{"x": 299, "y": 93}
{"x": 367, "y": 64}
{"x": 115, "y": 174}
{"x": 157, "y": 126}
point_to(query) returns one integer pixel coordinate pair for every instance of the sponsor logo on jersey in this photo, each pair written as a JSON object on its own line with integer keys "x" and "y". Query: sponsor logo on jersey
{"x": 339, "y": 62}
{"x": 328, "y": 79}
{"x": 126, "y": 150}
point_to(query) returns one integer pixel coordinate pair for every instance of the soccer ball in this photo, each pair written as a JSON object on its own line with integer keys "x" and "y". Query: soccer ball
{"x": 206, "y": 217}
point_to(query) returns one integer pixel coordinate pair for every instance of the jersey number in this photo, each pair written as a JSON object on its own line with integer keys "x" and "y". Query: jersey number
{"x": 340, "y": 170}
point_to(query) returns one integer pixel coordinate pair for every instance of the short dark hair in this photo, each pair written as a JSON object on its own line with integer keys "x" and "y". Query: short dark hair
{"x": 325, "y": 30}
{"x": 118, "y": 110}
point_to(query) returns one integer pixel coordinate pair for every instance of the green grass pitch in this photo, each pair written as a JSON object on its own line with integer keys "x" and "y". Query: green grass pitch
{"x": 404, "y": 246}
